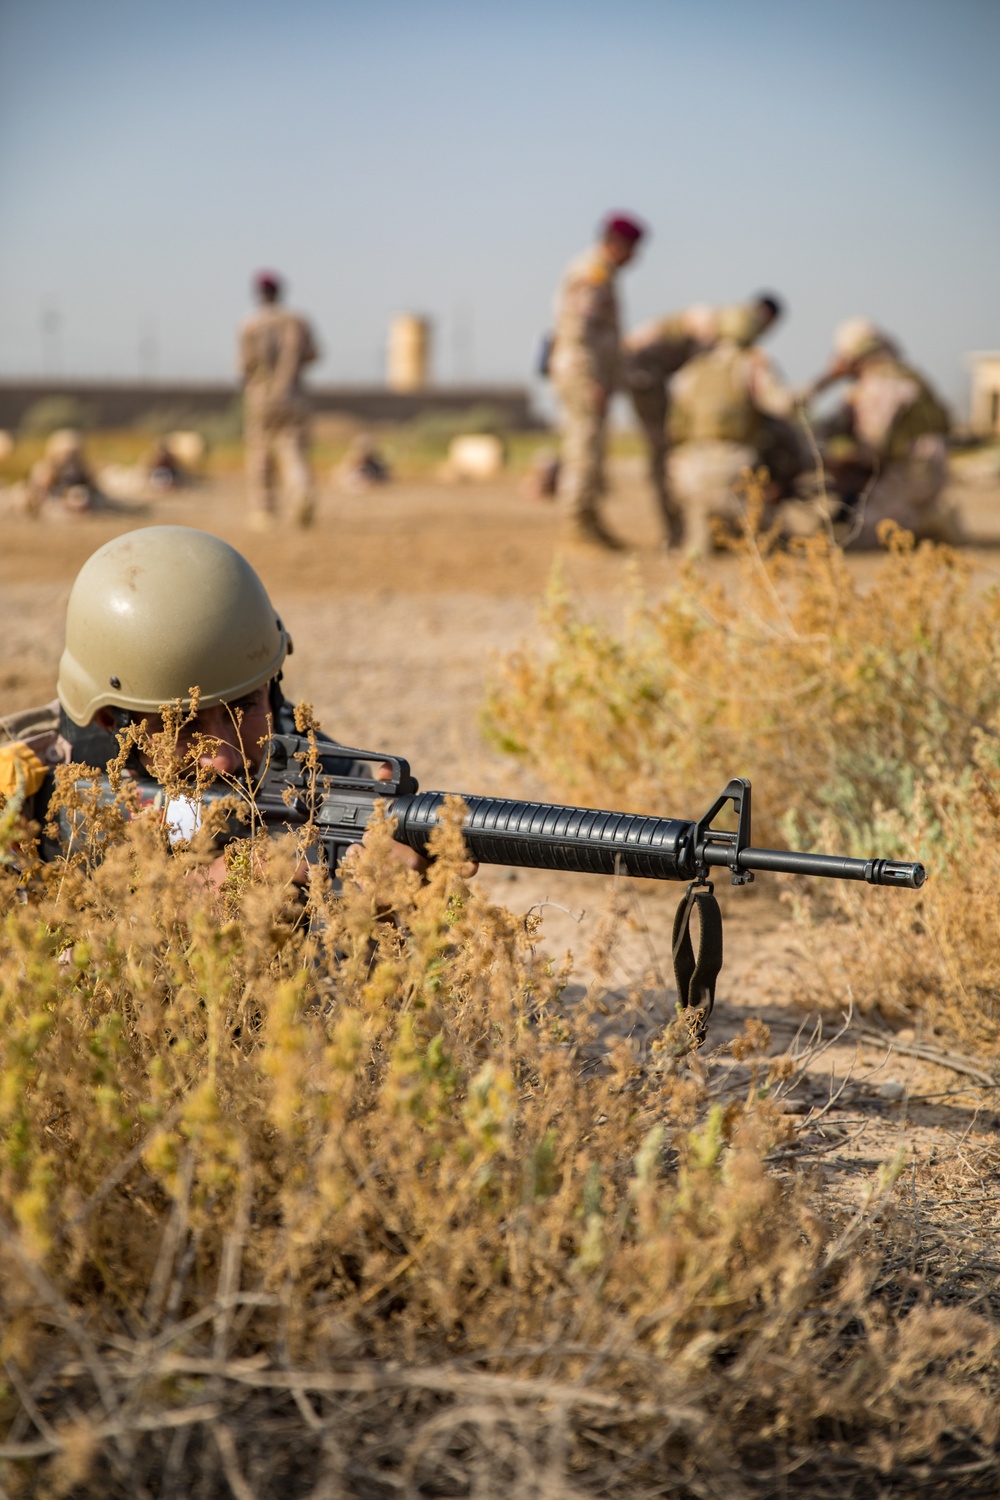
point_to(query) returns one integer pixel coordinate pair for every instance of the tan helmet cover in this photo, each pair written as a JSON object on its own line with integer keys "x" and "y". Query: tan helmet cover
{"x": 64, "y": 444}
{"x": 856, "y": 337}
{"x": 158, "y": 612}
{"x": 739, "y": 324}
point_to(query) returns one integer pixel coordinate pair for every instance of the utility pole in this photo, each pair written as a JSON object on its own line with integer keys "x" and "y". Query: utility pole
{"x": 51, "y": 325}
{"x": 149, "y": 352}
{"x": 463, "y": 346}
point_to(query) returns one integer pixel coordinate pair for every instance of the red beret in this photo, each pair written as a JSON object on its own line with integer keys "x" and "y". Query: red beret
{"x": 625, "y": 227}
{"x": 267, "y": 281}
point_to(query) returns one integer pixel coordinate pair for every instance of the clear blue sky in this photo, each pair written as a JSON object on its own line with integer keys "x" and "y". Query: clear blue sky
{"x": 450, "y": 156}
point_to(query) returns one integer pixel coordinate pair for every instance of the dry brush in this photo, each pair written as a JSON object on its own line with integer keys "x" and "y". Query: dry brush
{"x": 866, "y": 714}
{"x": 318, "y": 1199}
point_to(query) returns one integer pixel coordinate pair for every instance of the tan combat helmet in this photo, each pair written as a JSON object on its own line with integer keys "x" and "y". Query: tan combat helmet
{"x": 738, "y": 324}
{"x": 62, "y": 445}
{"x": 158, "y": 612}
{"x": 856, "y": 337}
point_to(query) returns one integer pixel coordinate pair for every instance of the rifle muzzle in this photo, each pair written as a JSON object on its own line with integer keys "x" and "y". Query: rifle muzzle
{"x": 831, "y": 866}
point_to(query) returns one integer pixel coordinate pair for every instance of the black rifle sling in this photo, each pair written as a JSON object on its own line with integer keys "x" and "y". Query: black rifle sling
{"x": 696, "y": 977}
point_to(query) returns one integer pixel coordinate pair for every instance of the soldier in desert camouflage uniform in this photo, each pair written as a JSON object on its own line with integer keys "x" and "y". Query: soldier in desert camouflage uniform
{"x": 155, "y": 615}
{"x": 585, "y": 368}
{"x": 652, "y": 355}
{"x": 885, "y": 448}
{"x": 275, "y": 347}
{"x": 62, "y": 481}
{"x": 729, "y": 411}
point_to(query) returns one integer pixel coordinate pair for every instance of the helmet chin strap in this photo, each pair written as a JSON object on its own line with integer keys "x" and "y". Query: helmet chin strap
{"x": 275, "y": 697}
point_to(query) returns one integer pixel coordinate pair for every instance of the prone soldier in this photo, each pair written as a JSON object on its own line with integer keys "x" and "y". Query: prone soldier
{"x": 130, "y": 652}
{"x": 62, "y": 481}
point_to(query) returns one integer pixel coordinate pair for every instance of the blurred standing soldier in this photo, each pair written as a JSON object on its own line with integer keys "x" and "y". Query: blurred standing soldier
{"x": 885, "y": 448}
{"x": 275, "y": 347}
{"x": 585, "y": 367}
{"x": 729, "y": 411}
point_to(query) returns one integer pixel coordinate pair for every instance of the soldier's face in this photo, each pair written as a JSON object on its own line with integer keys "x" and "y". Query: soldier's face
{"x": 225, "y": 739}
{"x": 621, "y": 250}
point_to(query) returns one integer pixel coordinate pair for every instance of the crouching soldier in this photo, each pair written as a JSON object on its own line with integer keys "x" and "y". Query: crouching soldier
{"x": 730, "y": 411}
{"x": 884, "y": 449}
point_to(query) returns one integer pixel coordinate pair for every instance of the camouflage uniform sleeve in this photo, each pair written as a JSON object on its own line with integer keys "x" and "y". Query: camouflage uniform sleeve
{"x": 248, "y": 351}
{"x": 768, "y": 391}
{"x": 587, "y": 334}
{"x": 670, "y": 330}
{"x": 30, "y": 724}
{"x": 309, "y": 348}
{"x": 295, "y": 349}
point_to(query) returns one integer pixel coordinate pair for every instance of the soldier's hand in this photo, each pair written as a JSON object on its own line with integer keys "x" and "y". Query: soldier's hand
{"x": 837, "y": 369}
{"x": 407, "y": 856}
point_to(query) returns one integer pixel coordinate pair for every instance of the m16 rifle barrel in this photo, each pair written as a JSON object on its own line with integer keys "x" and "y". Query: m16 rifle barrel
{"x": 832, "y": 866}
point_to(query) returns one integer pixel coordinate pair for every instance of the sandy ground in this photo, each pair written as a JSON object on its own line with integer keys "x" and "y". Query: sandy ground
{"x": 397, "y": 602}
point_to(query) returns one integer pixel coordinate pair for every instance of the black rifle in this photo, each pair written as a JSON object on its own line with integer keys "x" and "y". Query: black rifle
{"x": 315, "y": 783}
{"x": 326, "y": 784}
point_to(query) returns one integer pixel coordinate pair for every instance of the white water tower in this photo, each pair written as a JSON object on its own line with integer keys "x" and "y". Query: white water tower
{"x": 409, "y": 358}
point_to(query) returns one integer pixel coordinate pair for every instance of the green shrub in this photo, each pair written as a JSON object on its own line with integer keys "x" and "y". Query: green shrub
{"x": 52, "y": 412}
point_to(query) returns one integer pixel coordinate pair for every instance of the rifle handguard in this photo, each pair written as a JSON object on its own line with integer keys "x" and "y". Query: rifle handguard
{"x": 542, "y": 836}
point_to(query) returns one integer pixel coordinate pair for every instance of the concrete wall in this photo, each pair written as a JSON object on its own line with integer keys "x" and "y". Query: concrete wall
{"x": 115, "y": 404}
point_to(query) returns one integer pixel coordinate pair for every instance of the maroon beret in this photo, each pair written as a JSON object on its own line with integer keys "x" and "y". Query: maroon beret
{"x": 267, "y": 281}
{"x": 625, "y": 227}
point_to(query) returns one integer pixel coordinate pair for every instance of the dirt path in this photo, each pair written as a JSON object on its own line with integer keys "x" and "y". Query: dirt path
{"x": 397, "y": 602}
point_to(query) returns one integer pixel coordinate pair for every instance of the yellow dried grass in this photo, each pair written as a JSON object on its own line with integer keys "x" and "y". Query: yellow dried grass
{"x": 301, "y": 1196}
{"x": 867, "y": 717}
